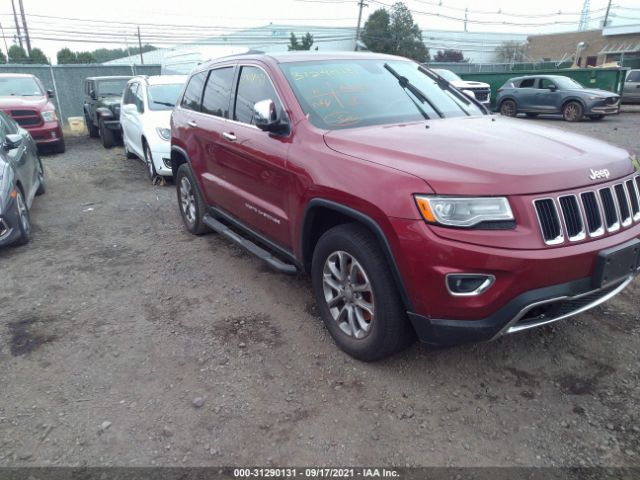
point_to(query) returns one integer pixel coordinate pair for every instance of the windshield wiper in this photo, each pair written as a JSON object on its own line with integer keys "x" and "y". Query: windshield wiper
{"x": 407, "y": 85}
{"x": 166, "y": 104}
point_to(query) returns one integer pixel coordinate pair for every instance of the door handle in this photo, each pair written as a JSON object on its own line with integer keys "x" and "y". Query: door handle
{"x": 229, "y": 136}
{"x": 192, "y": 123}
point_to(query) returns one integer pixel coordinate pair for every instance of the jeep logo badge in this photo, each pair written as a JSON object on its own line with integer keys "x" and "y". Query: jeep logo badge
{"x": 596, "y": 174}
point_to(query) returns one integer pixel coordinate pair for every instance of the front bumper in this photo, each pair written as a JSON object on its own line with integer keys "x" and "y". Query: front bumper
{"x": 46, "y": 134}
{"x": 603, "y": 108}
{"x": 529, "y": 310}
{"x": 523, "y": 279}
{"x": 162, "y": 160}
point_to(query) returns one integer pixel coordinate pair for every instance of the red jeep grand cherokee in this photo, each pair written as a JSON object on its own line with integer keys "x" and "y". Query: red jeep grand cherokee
{"x": 413, "y": 210}
{"x": 23, "y": 98}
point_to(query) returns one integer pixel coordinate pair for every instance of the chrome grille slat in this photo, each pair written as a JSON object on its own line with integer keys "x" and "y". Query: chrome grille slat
{"x": 589, "y": 213}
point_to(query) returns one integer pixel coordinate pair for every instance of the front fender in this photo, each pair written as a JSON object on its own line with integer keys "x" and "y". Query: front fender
{"x": 104, "y": 112}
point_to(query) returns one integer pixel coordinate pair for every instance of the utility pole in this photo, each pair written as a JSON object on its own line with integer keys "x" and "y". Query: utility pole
{"x": 361, "y": 5}
{"x": 140, "y": 45}
{"x": 5, "y": 42}
{"x": 15, "y": 17}
{"x": 24, "y": 24}
{"x": 606, "y": 15}
{"x": 466, "y": 14}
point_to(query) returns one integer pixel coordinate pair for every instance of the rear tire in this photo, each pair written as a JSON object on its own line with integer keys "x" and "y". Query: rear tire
{"x": 508, "y": 108}
{"x": 573, "y": 111}
{"x": 356, "y": 295}
{"x": 24, "y": 220}
{"x": 190, "y": 202}
{"x": 107, "y": 136}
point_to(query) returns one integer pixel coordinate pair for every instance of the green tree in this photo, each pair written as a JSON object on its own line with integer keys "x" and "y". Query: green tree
{"x": 66, "y": 56}
{"x": 376, "y": 33}
{"x": 17, "y": 54}
{"x": 305, "y": 42}
{"x": 449, "y": 55}
{"x": 38, "y": 57}
{"x": 510, "y": 51}
{"x": 105, "y": 54}
{"x": 85, "y": 57}
{"x": 395, "y": 33}
{"x": 3, "y": 57}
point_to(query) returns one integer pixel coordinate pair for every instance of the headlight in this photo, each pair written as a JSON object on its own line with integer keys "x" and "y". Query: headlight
{"x": 49, "y": 116}
{"x": 463, "y": 211}
{"x": 164, "y": 133}
{"x": 595, "y": 97}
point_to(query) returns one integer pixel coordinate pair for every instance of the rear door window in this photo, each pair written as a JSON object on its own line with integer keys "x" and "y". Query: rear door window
{"x": 193, "y": 95}
{"x": 527, "y": 83}
{"x": 217, "y": 92}
{"x": 545, "y": 83}
{"x": 253, "y": 86}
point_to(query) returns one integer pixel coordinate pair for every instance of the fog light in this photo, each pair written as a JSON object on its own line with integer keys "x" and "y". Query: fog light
{"x": 53, "y": 135}
{"x": 468, "y": 284}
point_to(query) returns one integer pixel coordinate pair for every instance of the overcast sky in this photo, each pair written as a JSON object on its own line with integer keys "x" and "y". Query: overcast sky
{"x": 216, "y": 16}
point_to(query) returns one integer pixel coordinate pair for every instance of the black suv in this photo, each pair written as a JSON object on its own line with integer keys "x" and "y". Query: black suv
{"x": 102, "y": 107}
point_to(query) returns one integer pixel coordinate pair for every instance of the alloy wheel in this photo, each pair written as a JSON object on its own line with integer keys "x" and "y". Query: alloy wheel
{"x": 187, "y": 200}
{"x": 571, "y": 112}
{"x": 348, "y": 294}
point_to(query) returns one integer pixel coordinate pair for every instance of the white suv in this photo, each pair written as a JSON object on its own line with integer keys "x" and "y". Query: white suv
{"x": 144, "y": 116}
{"x": 481, "y": 91}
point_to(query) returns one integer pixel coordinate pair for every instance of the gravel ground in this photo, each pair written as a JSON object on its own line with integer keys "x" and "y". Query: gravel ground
{"x": 126, "y": 341}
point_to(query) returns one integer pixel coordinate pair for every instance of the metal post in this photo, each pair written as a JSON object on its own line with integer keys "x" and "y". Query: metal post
{"x": 606, "y": 15}
{"x": 24, "y": 24}
{"x": 5, "y": 42}
{"x": 361, "y": 4}
{"x": 15, "y": 17}
{"x": 55, "y": 91}
{"x": 466, "y": 14}
{"x": 140, "y": 46}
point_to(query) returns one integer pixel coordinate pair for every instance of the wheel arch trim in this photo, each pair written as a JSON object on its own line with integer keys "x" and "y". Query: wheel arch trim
{"x": 367, "y": 221}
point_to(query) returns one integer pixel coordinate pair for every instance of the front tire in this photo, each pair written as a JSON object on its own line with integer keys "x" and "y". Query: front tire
{"x": 24, "y": 219}
{"x": 508, "y": 108}
{"x": 190, "y": 202}
{"x": 42, "y": 188}
{"x": 357, "y": 297}
{"x": 573, "y": 112}
{"x": 107, "y": 136}
{"x": 148, "y": 160}
{"x": 94, "y": 132}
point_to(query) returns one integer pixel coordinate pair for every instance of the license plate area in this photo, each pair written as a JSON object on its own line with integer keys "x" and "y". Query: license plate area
{"x": 616, "y": 263}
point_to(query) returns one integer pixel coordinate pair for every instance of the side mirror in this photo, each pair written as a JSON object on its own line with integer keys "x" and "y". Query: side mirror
{"x": 50, "y": 94}
{"x": 12, "y": 141}
{"x": 128, "y": 108}
{"x": 92, "y": 94}
{"x": 553, "y": 88}
{"x": 265, "y": 116}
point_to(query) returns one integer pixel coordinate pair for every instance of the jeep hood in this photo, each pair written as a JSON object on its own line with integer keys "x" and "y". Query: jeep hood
{"x": 486, "y": 155}
{"x": 110, "y": 100}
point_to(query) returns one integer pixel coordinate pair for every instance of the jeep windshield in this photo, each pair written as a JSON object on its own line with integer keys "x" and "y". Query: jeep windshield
{"x": 339, "y": 94}
{"x": 163, "y": 97}
{"x": 20, "y": 87}
{"x": 111, "y": 88}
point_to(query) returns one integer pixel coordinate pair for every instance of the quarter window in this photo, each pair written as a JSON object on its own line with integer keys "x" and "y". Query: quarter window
{"x": 193, "y": 95}
{"x": 217, "y": 92}
{"x": 253, "y": 86}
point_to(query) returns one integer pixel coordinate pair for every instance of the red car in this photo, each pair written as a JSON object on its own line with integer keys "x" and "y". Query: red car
{"x": 414, "y": 211}
{"x": 24, "y": 98}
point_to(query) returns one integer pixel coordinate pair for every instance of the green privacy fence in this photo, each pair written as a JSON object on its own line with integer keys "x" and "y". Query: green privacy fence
{"x": 462, "y": 67}
{"x": 67, "y": 81}
{"x": 611, "y": 79}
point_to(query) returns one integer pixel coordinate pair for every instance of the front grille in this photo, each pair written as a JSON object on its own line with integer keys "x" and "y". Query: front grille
{"x": 482, "y": 95}
{"x": 611, "y": 100}
{"x": 574, "y": 216}
{"x": 26, "y": 118}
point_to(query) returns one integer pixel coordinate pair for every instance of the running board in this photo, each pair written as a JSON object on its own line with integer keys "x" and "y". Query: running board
{"x": 248, "y": 245}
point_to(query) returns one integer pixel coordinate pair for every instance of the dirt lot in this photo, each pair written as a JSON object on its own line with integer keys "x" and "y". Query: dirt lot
{"x": 126, "y": 341}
